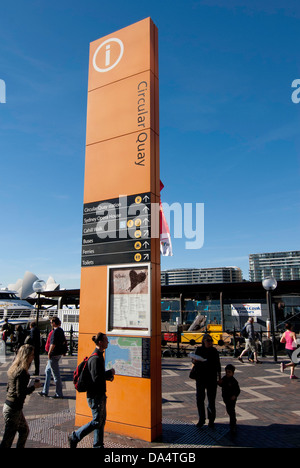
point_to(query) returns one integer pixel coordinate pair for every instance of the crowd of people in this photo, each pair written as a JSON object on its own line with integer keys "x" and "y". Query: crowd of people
{"x": 206, "y": 371}
{"x": 27, "y": 347}
{"x": 20, "y": 384}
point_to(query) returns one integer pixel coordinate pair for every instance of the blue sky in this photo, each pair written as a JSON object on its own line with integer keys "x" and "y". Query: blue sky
{"x": 229, "y": 131}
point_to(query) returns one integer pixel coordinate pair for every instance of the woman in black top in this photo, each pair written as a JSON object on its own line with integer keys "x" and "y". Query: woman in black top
{"x": 17, "y": 390}
{"x": 208, "y": 373}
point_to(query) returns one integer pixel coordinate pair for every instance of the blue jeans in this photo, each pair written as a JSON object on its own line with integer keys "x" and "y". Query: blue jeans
{"x": 98, "y": 407}
{"x": 52, "y": 368}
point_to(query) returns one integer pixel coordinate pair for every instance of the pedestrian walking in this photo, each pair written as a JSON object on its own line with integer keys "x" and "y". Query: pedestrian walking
{"x": 20, "y": 336}
{"x": 250, "y": 341}
{"x": 17, "y": 390}
{"x": 58, "y": 347}
{"x": 35, "y": 341}
{"x": 230, "y": 392}
{"x": 207, "y": 373}
{"x": 96, "y": 395}
{"x": 290, "y": 340}
{"x": 7, "y": 330}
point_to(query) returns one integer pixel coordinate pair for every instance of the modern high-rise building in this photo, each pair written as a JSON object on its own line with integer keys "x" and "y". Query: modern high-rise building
{"x": 284, "y": 266}
{"x": 202, "y": 275}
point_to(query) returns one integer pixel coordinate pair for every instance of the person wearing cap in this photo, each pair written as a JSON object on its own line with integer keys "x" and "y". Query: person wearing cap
{"x": 208, "y": 375}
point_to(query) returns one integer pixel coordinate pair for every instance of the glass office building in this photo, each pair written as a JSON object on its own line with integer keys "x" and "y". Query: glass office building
{"x": 284, "y": 266}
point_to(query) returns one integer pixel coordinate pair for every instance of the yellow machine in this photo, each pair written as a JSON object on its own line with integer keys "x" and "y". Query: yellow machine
{"x": 214, "y": 330}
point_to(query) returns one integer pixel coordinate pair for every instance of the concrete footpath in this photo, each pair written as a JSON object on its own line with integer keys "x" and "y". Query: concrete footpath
{"x": 268, "y": 410}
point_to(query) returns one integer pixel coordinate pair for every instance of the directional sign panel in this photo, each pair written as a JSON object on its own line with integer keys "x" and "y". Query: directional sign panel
{"x": 117, "y": 231}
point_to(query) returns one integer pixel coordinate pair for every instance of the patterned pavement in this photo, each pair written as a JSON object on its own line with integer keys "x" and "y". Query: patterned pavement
{"x": 268, "y": 410}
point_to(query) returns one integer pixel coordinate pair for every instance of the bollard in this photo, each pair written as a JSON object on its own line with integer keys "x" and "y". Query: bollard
{"x": 71, "y": 341}
{"x": 234, "y": 343}
{"x": 178, "y": 341}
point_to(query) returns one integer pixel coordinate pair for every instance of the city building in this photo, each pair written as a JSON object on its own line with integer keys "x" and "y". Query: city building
{"x": 202, "y": 275}
{"x": 284, "y": 266}
{"x": 230, "y": 304}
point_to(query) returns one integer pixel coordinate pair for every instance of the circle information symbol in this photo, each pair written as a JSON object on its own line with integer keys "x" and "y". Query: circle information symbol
{"x": 108, "y": 65}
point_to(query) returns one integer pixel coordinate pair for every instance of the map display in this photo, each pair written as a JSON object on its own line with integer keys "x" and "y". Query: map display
{"x": 128, "y": 356}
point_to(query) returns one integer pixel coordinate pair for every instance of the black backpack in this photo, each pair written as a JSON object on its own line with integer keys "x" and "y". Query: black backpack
{"x": 81, "y": 376}
{"x": 244, "y": 332}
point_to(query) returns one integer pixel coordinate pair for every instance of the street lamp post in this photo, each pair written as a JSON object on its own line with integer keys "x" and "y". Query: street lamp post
{"x": 38, "y": 287}
{"x": 269, "y": 284}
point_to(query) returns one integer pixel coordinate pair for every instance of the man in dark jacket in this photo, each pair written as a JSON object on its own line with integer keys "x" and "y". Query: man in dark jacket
{"x": 96, "y": 395}
{"x": 208, "y": 373}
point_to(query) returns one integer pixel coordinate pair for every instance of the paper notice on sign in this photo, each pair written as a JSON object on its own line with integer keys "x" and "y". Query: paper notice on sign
{"x": 129, "y": 307}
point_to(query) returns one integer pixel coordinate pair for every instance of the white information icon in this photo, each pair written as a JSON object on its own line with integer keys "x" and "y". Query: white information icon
{"x": 107, "y": 52}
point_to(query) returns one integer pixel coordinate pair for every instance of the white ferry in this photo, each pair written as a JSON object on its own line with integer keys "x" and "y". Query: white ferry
{"x": 16, "y": 310}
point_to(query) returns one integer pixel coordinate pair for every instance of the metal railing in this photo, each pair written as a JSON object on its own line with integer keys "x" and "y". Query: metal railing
{"x": 231, "y": 343}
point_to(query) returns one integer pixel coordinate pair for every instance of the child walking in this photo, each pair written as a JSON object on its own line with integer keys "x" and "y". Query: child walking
{"x": 230, "y": 392}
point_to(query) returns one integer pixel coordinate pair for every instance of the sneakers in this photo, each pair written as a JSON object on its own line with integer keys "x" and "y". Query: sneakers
{"x": 240, "y": 359}
{"x": 200, "y": 424}
{"x": 283, "y": 366}
{"x": 55, "y": 397}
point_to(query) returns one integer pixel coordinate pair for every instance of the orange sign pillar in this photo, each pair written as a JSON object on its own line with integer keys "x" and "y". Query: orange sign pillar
{"x": 120, "y": 276}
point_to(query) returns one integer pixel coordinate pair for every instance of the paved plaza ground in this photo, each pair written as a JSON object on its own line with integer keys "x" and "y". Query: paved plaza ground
{"x": 268, "y": 410}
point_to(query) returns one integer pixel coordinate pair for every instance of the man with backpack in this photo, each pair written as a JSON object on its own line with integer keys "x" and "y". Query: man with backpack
{"x": 58, "y": 348}
{"x": 94, "y": 375}
{"x": 250, "y": 345}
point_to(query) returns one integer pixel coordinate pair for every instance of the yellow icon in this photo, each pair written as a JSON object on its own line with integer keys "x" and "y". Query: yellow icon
{"x": 130, "y": 223}
{"x": 138, "y": 199}
{"x": 137, "y": 234}
{"x": 138, "y": 222}
{"x": 137, "y": 257}
{"x": 137, "y": 245}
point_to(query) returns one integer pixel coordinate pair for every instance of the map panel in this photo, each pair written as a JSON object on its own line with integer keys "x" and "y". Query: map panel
{"x": 128, "y": 356}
